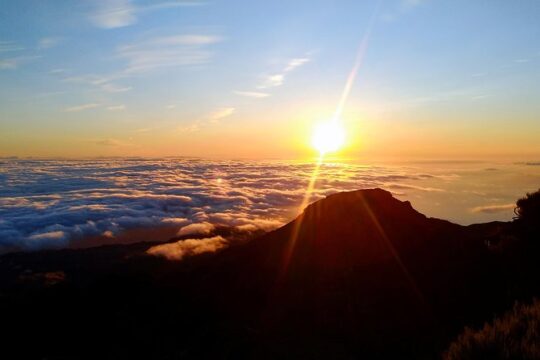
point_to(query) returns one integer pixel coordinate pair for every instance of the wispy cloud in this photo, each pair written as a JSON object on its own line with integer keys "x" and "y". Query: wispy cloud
{"x": 480, "y": 97}
{"x": 116, "y": 107}
{"x": 191, "y": 128}
{"x": 81, "y": 107}
{"x": 52, "y": 235}
{"x": 110, "y": 142}
{"x": 9, "y": 64}
{"x": 87, "y": 79}
{"x": 170, "y": 4}
{"x": 272, "y": 81}
{"x": 212, "y": 118}
{"x": 221, "y": 114}
{"x": 402, "y": 7}
{"x": 113, "y": 88}
{"x": 111, "y": 14}
{"x": 294, "y": 63}
{"x": 9, "y": 46}
{"x": 277, "y": 79}
{"x": 252, "y": 94}
{"x": 490, "y": 209}
{"x": 400, "y": 186}
{"x": 190, "y": 39}
{"x": 168, "y": 51}
{"x": 48, "y": 42}
{"x": 105, "y": 83}
{"x": 15, "y": 62}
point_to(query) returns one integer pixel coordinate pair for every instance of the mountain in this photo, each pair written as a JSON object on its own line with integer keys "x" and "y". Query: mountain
{"x": 357, "y": 274}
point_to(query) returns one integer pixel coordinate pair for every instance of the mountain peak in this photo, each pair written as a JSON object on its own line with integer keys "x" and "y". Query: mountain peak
{"x": 372, "y": 200}
{"x": 355, "y": 227}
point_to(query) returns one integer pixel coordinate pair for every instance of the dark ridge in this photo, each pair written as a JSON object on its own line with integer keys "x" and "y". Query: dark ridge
{"x": 357, "y": 275}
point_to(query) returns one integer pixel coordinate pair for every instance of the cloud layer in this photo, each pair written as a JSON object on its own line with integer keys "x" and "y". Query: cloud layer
{"x": 60, "y": 203}
{"x": 55, "y": 203}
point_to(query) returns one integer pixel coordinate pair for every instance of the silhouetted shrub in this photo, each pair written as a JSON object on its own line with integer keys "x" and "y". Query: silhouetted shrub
{"x": 528, "y": 207}
{"x": 527, "y": 222}
{"x": 514, "y": 336}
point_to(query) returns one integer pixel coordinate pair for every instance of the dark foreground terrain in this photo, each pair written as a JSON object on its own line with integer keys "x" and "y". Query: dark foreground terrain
{"x": 357, "y": 275}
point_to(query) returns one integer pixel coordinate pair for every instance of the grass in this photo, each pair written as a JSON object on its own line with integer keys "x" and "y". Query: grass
{"x": 516, "y": 335}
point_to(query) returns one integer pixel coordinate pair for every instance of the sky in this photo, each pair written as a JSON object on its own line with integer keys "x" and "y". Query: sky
{"x": 251, "y": 79}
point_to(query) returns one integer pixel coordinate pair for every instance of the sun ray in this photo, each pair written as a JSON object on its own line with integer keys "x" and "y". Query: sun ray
{"x": 391, "y": 248}
{"x": 289, "y": 249}
{"x": 331, "y": 143}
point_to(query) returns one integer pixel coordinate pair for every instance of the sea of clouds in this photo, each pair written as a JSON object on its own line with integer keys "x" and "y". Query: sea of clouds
{"x": 54, "y": 203}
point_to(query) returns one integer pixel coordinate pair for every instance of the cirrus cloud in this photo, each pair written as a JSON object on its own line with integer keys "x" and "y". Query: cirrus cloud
{"x": 180, "y": 50}
{"x": 111, "y": 14}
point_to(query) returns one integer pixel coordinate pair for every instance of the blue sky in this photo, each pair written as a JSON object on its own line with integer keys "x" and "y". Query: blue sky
{"x": 90, "y": 78}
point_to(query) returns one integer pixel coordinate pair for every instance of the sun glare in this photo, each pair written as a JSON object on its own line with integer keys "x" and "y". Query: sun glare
{"x": 328, "y": 137}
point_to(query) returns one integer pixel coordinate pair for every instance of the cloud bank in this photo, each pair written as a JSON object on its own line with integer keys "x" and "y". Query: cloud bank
{"x": 56, "y": 203}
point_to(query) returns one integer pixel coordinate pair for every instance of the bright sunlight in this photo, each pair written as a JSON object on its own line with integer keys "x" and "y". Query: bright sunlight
{"x": 328, "y": 137}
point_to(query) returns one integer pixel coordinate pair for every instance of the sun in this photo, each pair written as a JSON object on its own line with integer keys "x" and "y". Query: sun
{"x": 328, "y": 137}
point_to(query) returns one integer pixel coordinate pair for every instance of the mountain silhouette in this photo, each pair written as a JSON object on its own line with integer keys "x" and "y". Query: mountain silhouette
{"x": 357, "y": 274}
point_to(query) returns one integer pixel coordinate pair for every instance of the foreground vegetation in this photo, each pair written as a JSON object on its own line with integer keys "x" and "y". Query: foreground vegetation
{"x": 516, "y": 335}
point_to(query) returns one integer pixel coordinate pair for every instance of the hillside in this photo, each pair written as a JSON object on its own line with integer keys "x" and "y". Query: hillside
{"x": 356, "y": 274}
